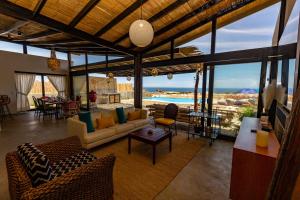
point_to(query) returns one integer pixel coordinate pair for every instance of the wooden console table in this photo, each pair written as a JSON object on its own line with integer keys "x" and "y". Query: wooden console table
{"x": 252, "y": 166}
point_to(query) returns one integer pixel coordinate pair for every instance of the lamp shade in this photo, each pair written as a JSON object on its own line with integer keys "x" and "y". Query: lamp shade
{"x": 170, "y": 76}
{"x": 141, "y": 33}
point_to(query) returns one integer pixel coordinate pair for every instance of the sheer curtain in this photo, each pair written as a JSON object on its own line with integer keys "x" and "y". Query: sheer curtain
{"x": 79, "y": 82}
{"x": 59, "y": 82}
{"x": 24, "y": 83}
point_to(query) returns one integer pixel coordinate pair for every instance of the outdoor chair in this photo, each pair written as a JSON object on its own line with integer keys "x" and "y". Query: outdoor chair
{"x": 89, "y": 181}
{"x": 169, "y": 119}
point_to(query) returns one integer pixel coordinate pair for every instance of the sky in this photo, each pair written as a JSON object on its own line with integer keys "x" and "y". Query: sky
{"x": 253, "y": 31}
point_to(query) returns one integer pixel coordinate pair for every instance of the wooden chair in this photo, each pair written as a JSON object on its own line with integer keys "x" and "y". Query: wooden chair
{"x": 169, "y": 119}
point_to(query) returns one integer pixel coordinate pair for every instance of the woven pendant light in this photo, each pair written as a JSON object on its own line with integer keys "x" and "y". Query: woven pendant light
{"x": 53, "y": 62}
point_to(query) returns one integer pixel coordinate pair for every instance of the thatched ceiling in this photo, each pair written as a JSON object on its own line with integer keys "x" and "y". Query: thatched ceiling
{"x": 78, "y": 25}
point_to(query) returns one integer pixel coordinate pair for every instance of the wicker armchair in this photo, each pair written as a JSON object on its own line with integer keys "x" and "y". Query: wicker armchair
{"x": 90, "y": 181}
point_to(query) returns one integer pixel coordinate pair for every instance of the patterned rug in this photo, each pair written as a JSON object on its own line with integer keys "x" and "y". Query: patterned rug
{"x": 134, "y": 175}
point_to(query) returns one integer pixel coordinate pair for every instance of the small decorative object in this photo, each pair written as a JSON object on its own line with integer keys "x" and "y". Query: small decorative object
{"x": 150, "y": 132}
{"x": 128, "y": 78}
{"x": 53, "y": 62}
{"x": 154, "y": 72}
{"x": 92, "y": 96}
{"x": 262, "y": 138}
{"x": 141, "y": 31}
{"x": 170, "y": 76}
{"x": 269, "y": 94}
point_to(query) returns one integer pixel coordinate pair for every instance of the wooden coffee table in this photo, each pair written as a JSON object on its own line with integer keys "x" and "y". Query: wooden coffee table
{"x": 158, "y": 135}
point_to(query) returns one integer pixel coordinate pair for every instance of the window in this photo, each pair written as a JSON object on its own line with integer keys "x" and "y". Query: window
{"x": 38, "y": 51}
{"x": 253, "y": 31}
{"x": 78, "y": 59}
{"x": 290, "y": 32}
{"x": 12, "y": 47}
{"x": 95, "y": 58}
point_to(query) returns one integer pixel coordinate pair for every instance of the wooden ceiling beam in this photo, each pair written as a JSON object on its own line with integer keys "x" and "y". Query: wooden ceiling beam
{"x": 40, "y": 5}
{"x": 223, "y": 12}
{"x": 38, "y": 35}
{"x": 89, "y": 6}
{"x": 56, "y": 42}
{"x": 13, "y": 10}
{"x": 157, "y": 16}
{"x": 120, "y": 17}
{"x": 13, "y": 27}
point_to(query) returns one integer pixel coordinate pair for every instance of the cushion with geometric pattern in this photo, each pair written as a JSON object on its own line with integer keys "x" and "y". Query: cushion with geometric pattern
{"x": 36, "y": 163}
{"x": 68, "y": 164}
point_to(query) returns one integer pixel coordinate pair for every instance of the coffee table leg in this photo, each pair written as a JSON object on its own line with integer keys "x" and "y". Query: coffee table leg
{"x": 129, "y": 144}
{"x": 170, "y": 143}
{"x": 154, "y": 152}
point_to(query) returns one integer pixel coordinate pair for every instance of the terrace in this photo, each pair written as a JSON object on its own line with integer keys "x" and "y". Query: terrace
{"x": 80, "y": 74}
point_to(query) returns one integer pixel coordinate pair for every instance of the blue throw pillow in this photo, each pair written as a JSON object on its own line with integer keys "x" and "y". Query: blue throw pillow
{"x": 121, "y": 115}
{"x": 87, "y": 119}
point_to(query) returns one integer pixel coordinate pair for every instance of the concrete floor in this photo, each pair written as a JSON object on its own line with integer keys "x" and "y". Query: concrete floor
{"x": 207, "y": 176}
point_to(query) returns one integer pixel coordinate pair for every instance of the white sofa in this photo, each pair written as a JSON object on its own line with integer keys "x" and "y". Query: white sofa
{"x": 101, "y": 136}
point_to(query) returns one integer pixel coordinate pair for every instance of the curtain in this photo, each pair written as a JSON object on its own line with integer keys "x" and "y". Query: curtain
{"x": 59, "y": 82}
{"x": 24, "y": 83}
{"x": 79, "y": 83}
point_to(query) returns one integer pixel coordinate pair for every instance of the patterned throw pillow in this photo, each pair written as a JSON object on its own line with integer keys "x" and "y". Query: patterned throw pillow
{"x": 36, "y": 163}
{"x": 71, "y": 163}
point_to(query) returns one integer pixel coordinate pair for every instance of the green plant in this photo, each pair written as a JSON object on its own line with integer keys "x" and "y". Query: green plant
{"x": 246, "y": 112}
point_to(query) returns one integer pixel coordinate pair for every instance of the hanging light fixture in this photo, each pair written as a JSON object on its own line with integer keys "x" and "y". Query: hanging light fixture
{"x": 110, "y": 77}
{"x": 141, "y": 31}
{"x": 53, "y": 62}
{"x": 128, "y": 78}
{"x": 170, "y": 76}
{"x": 154, "y": 72}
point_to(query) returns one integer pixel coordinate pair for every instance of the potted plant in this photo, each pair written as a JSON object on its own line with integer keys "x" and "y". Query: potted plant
{"x": 92, "y": 96}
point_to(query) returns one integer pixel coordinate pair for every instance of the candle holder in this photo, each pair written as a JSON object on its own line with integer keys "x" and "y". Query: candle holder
{"x": 262, "y": 138}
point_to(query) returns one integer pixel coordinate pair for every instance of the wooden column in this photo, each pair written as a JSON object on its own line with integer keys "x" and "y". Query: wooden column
{"x": 138, "y": 81}
{"x": 71, "y": 89}
{"x": 285, "y": 76}
{"x": 204, "y": 81}
{"x": 24, "y": 49}
{"x": 87, "y": 82}
{"x": 212, "y": 67}
{"x": 262, "y": 84}
{"x": 43, "y": 85}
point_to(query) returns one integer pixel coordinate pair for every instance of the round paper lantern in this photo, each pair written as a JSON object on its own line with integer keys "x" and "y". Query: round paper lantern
{"x": 154, "y": 72}
{"x": 141, "y": 33}
{"x": 170, "y": 76}
{"x": 128, "y": 78}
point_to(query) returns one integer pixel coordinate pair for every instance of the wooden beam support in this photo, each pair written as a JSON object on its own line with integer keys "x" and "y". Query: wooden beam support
{"x": 87, "y": 81}
{"x": 138, "y": 81}
{"x": 297, "y": 62}
{"x": 24, "y": 49}
{"x": 86, "y": 9}
{"x": 120, "y": 17}
{"x": 285, "y": 77}
{"x": 40, "y": 5}
{"x": 71, "y": 89}
{"x": 43, "y": 84}
{"x": 157, "y": 16}
{"x": 172, "y": 50}
{"x": 212, "y": 67}
{"x": 204, "y": 84}
{"x": 38, "y": 35}
{"x": 13, "y": 27}
{"x": 200, "y": 23}
{"x": 262, "y": 84}
{"x": 281, "y": 20}
{"x": 13, "y": 10}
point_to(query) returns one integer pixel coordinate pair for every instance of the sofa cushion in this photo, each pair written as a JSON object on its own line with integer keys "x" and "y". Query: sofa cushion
{"x": 140, "y": 122}
{"x": 36, "y": 163}
{"x": 86, "y": 118}
{"x": 105, "y": 122}
{"x": 95, "y": 116}
{"x": 121, "y": 128}
{"x": 134, "y": 115}
{"x": 70, "y": 163}
{"x": 100, "y": 134}
{"x": 121, "y": 115}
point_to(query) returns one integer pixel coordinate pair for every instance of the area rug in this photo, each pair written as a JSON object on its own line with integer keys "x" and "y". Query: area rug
{"x": 135, "y": 177}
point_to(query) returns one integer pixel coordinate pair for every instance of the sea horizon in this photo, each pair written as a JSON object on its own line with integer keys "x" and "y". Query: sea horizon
{"x": 216, "y": 90}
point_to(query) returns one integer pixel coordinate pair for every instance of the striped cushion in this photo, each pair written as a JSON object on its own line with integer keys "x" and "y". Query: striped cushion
{"x": 71, "y": 163}
{"x": 36, "y": 163}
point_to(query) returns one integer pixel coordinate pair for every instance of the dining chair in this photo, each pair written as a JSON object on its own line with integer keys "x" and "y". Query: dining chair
{"x": 46, "y": 109}
{"x": 169, "y": 119}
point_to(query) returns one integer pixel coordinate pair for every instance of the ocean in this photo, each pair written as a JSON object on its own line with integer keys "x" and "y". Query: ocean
{"x": 216, "y": 90}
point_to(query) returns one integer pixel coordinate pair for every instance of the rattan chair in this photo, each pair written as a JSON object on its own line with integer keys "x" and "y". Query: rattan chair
{"x": 90, "y": 181}
{"x": 169, "y": 119}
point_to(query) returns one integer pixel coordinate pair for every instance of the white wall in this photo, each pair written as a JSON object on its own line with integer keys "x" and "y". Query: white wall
{"x": 11, "y": 62}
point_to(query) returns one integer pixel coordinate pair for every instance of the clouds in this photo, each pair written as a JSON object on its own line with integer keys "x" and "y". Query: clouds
{"x": 248, "y": 31}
